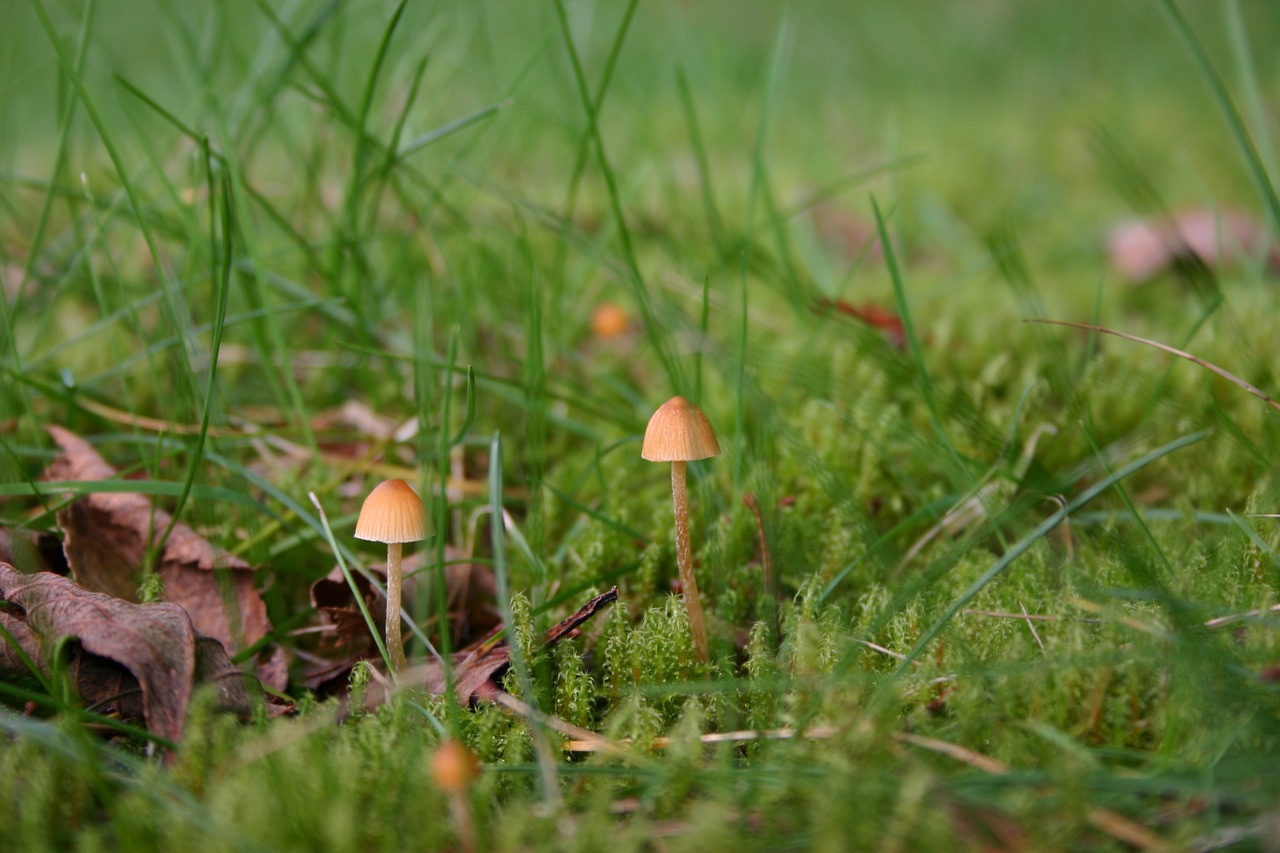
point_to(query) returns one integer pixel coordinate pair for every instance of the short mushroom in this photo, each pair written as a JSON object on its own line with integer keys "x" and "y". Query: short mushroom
{"x": 393, "y": 513}
{"x": 454, "y": 768}
{"x": 679, "y": 433}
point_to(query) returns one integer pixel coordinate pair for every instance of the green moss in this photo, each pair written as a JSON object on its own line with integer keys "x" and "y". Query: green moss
{"x": 576, "y": 691}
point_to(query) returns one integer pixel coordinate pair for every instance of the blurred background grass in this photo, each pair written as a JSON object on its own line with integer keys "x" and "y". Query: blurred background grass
{"x": 992, "y": 113}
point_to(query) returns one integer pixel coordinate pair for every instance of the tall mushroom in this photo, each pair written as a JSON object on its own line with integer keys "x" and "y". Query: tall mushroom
{"x": 679, "y": 433}
{"x": 393, "y": 513}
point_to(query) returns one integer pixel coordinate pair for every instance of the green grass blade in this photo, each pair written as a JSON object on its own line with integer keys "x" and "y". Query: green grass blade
{"x": 498, "y": 540}
{"x": 1235, "y": 122}
{"x": 374, "y": 630}
{"x": 444, "y": 131}
{"x": 351, "y": 244}
{"x": 586, "y": 140}
{"x": 655, "y": 331}
{"x": 263, "y": 203}
{"x": 59, "y": 159}
{"x": 185, "y": 377}
{"x": 222, "y": 265}
{"x": 709, "y": 211}
{"x": 913, "y": 340}
{"x": 1036, "y": 535}
{"x": 1258, "y": 542}
{"x": 155, "y": 488}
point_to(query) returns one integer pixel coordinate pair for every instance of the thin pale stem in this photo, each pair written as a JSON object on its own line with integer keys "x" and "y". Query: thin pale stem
{"x": 460, "y": 806}
{"x": 395, "y": 646}
{"x": 684, "y": 559}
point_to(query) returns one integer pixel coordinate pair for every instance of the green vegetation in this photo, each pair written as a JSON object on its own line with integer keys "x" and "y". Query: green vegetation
{"x": 224, "y": 221}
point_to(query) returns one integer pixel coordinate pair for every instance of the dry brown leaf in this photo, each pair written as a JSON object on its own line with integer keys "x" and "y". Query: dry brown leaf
{"x": 889, "y": 323}
{"x": 471, "y": 590}
{"x": 475, "y": 670}
{"x": 107, "y": 535}
{"x": 357, "y": 417}
{"x": 140, "y": 660}
{"x": 1140, "y": 249}
{"x": 21, "y": 635}
{"x": 342, "y": 621}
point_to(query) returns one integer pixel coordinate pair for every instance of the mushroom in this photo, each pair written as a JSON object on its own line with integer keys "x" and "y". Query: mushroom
{"x": 393, "y": 513}
{"x": 454, "y": 768}
{"x": 679, "y": 433}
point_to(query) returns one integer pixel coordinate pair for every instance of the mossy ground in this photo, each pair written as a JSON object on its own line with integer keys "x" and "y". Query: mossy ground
{"x": 998, "y": 140}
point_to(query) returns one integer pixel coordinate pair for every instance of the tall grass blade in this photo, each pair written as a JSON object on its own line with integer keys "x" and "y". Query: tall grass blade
{"x": 709, "y": 211}
{"x": 913, "y": 340}
{"x": 497, "y": 535}
{"x": 185, "y": 376}
{"x": 1235, "y": 122}
{"x": 374, "y": 630}
{"x": 1036, "y": 535}
{"x": 655, "y": 331}
{"x": 222, "y": 263}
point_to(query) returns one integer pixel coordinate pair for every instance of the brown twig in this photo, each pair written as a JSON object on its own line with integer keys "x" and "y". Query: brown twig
{"x": 740, "y": 736}
{"x": 1219, "y": 621}
{"x": 1116, "y": 825}
{"x": 1031, "y": 625}
{"x": 1037, "y": 617}
{"x": 596, "y": 742}
{"x": 766, "y": 558}
{"x": 882, "y": 650}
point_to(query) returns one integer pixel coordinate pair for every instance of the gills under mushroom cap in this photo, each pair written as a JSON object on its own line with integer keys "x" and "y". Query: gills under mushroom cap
{"x": 392, "y": 513}
{"x": 679, "y": 432}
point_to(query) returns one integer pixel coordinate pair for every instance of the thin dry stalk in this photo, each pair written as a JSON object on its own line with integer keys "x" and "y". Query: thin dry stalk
{"x": 882, "y": 650}
{"x": 1230, "y": 618}
{"x": 741, "y": 736}
{"x": 1026, "y": 617}
{"x": 1116, "y": 825}
{"x": 1225, "y": 374}
{"x": 962, "y": 754}
{"x": 1031, "y": 625}
{"x": 766, "y": 558}
{"x": 596, "y": 741}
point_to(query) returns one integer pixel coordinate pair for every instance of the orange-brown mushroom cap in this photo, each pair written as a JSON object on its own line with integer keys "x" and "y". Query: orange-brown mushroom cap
{"x": 392, "y": 513}
{"x": 679, "y": 432}
{"x": 454, "y": 767}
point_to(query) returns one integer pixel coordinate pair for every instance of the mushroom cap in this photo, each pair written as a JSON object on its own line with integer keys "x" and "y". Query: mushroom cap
{"x": 454, "y": 767}
{"x": 679, "y": 432}
{"x": 392, "y": 513}
{"x": 609, "y": 321}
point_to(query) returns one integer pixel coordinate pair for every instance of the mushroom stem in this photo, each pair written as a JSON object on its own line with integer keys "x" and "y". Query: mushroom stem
{"x": 463, "y": 825}
{"x": 395, "y": 646}
{"x": 684, "y": 559}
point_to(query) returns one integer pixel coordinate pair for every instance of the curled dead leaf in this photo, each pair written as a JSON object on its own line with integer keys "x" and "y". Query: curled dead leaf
{"x": 139, "y": 660}
{"x": 107, "y": 536}
{"x": 473, "y": 611}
